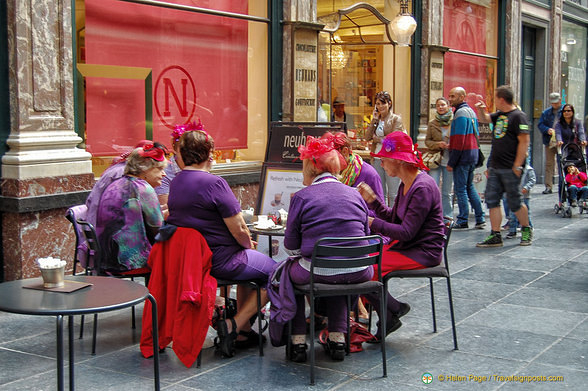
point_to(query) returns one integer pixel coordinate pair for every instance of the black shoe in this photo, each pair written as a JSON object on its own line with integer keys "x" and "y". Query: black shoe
{"x": 404, "y": 309}
{"x": 493, "y": 240}
{"x": 547, "y": 190}
{"x": 298, "y": 352}
{"x": 481, "y": 225}
{"x": 251, "y": 341}
{"x": 226, "y": 340}
{"x": 461, "y": 226}
{"x": 335, "y": 349}
{"x": 393, "y": 323}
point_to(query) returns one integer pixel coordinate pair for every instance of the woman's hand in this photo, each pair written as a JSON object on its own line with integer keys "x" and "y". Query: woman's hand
{"x": 443, "y": 145}
{"x": 366, "y": 193}
{"x": 559, "y": 143}
{"x": 238, "y": 228}
{"x": 376, "y": 114}
{"x": 370, "y": 221}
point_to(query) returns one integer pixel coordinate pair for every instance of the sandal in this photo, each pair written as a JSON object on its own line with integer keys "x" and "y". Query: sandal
{"x": 226, "y": 340}
{"x": 251, "y": 341}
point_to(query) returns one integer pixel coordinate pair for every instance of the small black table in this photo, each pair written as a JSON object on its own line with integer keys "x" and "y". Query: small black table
{"x": 105, "y": 294}
{"x": 269, "y": 233}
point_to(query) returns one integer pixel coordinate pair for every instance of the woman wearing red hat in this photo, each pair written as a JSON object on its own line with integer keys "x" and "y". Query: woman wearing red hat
{"x": 414, "y": 224}
{"x": 129, "y": 214}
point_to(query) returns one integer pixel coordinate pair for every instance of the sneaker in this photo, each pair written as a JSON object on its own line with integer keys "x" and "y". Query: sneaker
{"x": 461, "y": 226}
{"x": 511, "y": 235}
{"x": 526, "y": 236}
{"x": 505, "y": 227}
{"x": 547, "y": 190}
{"x": 493, "y": 240}
{"x": 481, "y": 225}
{"x": 573, "y": 203}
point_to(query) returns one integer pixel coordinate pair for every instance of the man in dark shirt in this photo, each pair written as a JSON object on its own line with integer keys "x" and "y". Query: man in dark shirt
{"x": 510, "y": 141}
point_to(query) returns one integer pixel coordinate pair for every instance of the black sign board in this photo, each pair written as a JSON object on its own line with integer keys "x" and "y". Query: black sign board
{"x": 285, "y": 137}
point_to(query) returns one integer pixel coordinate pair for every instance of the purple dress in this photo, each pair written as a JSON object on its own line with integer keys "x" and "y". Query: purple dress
{"x": 313, "y": 214}
{"x": 369, "y": 175}
{"x": 128, "y": 214}
{"x": 171, "y": 170}
{"x": 201, "y": 200}
{"x": 110, "y": 175}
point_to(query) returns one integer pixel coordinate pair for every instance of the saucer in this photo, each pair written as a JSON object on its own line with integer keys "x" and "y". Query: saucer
{"x": 272, "y": 228}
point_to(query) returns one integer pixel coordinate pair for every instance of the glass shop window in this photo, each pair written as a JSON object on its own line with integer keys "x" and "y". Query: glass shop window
{"x": 141, "y": 69}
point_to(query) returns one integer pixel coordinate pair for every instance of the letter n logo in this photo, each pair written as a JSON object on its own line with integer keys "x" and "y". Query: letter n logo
{"x": 174, "y": 96}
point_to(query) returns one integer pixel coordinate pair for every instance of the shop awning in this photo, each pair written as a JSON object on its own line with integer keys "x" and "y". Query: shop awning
{"x": 359, "y": 24}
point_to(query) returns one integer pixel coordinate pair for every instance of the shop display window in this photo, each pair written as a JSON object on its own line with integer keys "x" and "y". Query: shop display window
{"x": 470, "y": 31}
{"x": 144, "y": 69}
{"x": 573, "y": 66}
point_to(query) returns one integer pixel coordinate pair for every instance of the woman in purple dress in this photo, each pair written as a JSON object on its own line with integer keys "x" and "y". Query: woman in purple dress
{"x": 313, "y": 215}
{"x": 415, "y": 222}
{"x": 129, "y": 215}
{"x": 205, "y": 202}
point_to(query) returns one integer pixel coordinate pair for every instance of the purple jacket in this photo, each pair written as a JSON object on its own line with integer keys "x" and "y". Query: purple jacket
{"x": 415, "y": 222}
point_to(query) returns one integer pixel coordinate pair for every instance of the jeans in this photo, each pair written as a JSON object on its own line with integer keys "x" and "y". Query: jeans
{"x": 441, "y": 174}
{"x": 573, "y": 192}
{"x": 513, "y": 222}
{"x": 389, "y": 184}
{"x": 463, "y": 180}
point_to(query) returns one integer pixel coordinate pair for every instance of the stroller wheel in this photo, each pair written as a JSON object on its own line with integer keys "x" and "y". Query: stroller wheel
{"x": 581, "y": 209}
{"x": 568, "y": 212}
{"x": 556, "y": 209}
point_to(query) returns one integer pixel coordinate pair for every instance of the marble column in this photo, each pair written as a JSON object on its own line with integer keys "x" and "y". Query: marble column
{"x": 512, "y": 56}
{"x": 43, "y": 172}
{"x": 554, "y": 58}
{"x": 300, "y": 61}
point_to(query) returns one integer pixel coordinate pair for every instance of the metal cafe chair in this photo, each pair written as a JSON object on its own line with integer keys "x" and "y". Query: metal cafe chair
{"x": 338, "y": 253}
{"x": 441, "y": 270}
{"x": 95, "y": 258}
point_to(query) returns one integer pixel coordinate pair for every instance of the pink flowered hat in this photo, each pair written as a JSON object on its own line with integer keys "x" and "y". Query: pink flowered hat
{"x": 399, "y": 146}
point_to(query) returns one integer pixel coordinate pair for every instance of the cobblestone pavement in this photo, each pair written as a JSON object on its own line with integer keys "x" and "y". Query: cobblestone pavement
{"x": 522, "y": 324}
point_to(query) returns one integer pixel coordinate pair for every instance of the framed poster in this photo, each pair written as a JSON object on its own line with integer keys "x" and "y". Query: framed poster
{"x": 278, "y": 184}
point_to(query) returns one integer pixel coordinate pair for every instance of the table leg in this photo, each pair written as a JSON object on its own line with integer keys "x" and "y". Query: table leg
{"x": 155, "y": 340}
{"x": 271, "y": 250}
{"x": 59, "y": 332}
{"x": 70, "y": 324}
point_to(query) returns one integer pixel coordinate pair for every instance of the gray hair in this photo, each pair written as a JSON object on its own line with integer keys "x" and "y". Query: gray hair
{"x": 137, "y": 164}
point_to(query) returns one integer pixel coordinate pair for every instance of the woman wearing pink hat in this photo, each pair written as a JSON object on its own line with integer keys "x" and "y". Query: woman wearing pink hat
{"x": 414, "y": 224}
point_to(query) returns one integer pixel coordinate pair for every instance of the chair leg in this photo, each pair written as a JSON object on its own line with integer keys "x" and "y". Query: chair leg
{"x": 94, "y": 332}
{"x": 199, "y": 360}
{"x": 452, "y": 314}
{"x": 311, "y": 339}
{"x": 433, "y": 305}
{"x": 82, "y": 327}
{"x": 347, "y": 337}
{"x": 384, "y": 311}
{"x": 258, "y": 291}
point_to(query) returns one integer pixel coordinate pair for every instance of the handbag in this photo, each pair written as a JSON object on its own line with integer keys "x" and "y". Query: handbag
{"x": 481, "y": 156}
{"x": 432, "y": 159}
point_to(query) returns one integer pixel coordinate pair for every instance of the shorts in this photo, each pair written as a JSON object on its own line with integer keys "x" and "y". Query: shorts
{"x": 503, "y": 181}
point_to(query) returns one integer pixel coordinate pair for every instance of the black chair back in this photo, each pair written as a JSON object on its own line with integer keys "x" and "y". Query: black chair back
{"x": 343, "y": 253}
{"x": 94, "y": 250}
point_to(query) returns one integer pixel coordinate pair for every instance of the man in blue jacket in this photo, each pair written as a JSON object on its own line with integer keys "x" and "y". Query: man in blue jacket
{"x": 463, "y": 156}
{"x": 546, "y": 125}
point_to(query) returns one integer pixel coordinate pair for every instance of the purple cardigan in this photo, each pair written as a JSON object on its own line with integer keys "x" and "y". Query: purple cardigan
{"x": 325, "y": 208}
{"x": 415, "y": 222}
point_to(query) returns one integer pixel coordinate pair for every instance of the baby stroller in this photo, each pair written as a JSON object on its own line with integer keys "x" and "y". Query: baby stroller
{"x": 569, "y": 154}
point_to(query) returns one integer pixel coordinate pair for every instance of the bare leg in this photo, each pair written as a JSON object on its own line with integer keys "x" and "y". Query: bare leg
{"x": 523, "y": 216}
{"x": 496, "y": 218}
{"x": 247, "y": 307}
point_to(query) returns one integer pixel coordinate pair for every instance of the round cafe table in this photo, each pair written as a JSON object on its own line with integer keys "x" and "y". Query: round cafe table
{"x": 104, "y": 294}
